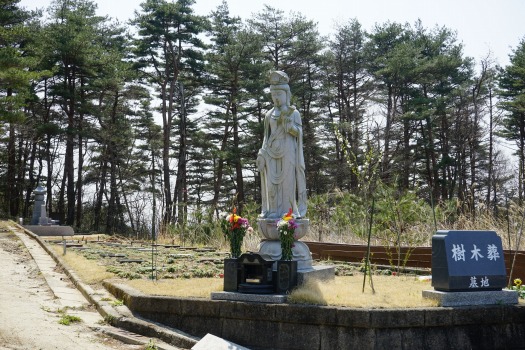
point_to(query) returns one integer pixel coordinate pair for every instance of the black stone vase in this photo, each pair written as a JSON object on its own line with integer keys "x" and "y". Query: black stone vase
{"x": 232, "y": 274}
{"x": 286, "y": 276}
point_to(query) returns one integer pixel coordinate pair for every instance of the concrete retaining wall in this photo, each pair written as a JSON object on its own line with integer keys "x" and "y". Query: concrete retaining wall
{"x": 286, "y": 326}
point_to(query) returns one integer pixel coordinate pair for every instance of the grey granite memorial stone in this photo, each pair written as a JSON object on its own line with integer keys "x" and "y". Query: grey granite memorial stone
{"x": 467, "y": 261}
{"x": 40, "y": 224}
{"x": 37, "y": 207}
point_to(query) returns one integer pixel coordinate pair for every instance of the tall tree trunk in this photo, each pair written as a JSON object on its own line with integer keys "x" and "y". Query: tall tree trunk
{"x": 69, "y": 163}
{"x": 31, "y": 184}
{"x": 238, "y": 165}
{"x": 48, "y": 155}
{"x": 126, "y": 203}
{"x": 112, "y": 201}
{"x": 80, "y": 169}
{"x": 491, "y": 154}
{"x": 69, "y": 175}
{"x": 180, "y": 184}
{"x": 100, "y": 192}
{"x": 388, "y": 128}
{"x": 11, "y": 172}
{"x": 521, "y": 147}
{"x": 166, "y": 132}
{"x": 220, "y": 168}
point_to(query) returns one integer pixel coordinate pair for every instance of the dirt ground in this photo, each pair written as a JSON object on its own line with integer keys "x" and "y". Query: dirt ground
{"x": 29, "y": 312}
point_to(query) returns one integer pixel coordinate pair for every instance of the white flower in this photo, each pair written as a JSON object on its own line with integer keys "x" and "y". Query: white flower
{"x": 282, "y": 224}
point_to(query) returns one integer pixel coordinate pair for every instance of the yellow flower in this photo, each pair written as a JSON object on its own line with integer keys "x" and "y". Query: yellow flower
{"x": 517, "y": 282}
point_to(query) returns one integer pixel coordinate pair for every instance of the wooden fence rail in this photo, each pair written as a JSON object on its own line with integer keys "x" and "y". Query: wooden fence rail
{"x": 418, "y": 257}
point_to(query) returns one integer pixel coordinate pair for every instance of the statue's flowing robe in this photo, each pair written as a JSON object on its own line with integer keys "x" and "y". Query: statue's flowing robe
{"x": 283, "y": 182}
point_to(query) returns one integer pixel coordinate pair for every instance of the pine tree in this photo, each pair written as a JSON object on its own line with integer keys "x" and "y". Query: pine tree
{"x": 234, "y": 58}
{"x": 167, "y": 46}
{"x": 512, "y": 92}
{"x": 16, "y": 75}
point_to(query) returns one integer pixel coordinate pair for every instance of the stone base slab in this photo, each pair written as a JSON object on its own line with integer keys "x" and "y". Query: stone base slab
{"x": 319, "y": 272}
{"x": 211, "y": 341}
{"x": 255, "y": 298}
{"x": 496, "y": 297}
{"x": 50, "y": 230}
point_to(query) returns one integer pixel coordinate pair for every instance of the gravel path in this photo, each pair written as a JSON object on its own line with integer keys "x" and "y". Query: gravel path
{"x": 30, "y": 313}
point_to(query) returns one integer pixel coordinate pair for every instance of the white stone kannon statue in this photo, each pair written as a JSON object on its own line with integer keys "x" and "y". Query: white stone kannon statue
{"x": 281, "y": 165}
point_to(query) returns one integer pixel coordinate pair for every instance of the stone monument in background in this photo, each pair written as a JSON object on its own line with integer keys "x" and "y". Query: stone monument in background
{"x": 37, "y": 206}
{"x": 42, "y": 225}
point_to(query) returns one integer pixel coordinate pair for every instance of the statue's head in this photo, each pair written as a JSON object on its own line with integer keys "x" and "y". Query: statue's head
{"x": 279, "y": 81}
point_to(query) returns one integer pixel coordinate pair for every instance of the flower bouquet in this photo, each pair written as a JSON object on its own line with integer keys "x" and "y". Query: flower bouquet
{"x": 286, "y": 227}
{"x": 234, "y": 228}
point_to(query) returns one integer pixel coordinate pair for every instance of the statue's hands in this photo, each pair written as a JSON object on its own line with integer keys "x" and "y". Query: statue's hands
{"x": 290, "y": 127}
{"x": 260, "y": 162}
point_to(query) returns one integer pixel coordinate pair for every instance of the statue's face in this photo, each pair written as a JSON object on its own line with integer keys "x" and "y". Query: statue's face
{"x": 279, "y": 97}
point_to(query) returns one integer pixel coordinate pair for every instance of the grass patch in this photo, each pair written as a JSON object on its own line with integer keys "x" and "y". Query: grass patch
{"x": 187, "y": 288}
{"x": 390, "y": 292}
{"x": 68, "y": 319}
{"x": 117, "y": 302}
{"x": 191, "y": 274}
{"x": 88, "y": 270}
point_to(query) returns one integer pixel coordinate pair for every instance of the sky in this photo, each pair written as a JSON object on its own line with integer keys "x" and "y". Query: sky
{"x": 482, "y": 26}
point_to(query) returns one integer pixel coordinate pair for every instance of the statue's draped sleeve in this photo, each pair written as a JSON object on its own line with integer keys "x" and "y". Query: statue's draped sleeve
{"x": 300, "y": 167}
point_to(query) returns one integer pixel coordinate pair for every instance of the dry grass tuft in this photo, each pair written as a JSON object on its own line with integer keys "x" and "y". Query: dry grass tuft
{"x": 308, "y": 293}
{"x": 88, "y": 270}
{"x": 187, "y": 288}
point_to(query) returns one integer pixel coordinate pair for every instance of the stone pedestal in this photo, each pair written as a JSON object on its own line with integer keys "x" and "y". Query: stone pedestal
{"x": 271, "y": 246}
{"x": 286, "y": 276}
{"x": 300, "y": 251}
{"x": 231, "y": 275}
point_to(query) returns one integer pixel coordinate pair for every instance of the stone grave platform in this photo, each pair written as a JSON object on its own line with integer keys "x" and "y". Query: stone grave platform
{"x": 496, "y": 297}
{"x": 320, "y": 272}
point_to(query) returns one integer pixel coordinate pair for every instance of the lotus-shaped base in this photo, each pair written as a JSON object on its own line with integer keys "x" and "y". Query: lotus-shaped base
{"x": 300, "y": 251}
{"x": 268, "y": 228}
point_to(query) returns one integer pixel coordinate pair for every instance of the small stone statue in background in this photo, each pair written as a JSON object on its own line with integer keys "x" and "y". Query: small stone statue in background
{"x": 280, "y": 159}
